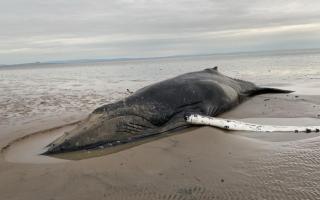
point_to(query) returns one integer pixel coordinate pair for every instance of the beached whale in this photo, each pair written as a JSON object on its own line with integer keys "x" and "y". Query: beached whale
{"x": 158, "y": 108}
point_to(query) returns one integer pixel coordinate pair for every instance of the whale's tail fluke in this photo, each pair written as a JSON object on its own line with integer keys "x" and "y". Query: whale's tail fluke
{"x": 264, "y": 90}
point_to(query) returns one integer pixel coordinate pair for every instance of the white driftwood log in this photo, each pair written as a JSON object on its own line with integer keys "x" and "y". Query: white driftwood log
{"x": 243, "y": 126}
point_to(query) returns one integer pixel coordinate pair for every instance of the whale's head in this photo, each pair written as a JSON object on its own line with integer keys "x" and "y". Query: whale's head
{"x": 86, "y": 134}
{"x": 99, "y": 130}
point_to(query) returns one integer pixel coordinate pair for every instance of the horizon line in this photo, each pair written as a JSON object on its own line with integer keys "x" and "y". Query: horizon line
{"x": 89, "y": 60}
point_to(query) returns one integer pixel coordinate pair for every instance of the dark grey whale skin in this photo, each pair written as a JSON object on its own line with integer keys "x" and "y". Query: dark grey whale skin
{"x": 157, "y": 109}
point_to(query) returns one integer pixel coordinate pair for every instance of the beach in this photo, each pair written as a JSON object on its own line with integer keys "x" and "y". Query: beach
{"x": 201, "y": 163}
{"x": 197, "y": 163}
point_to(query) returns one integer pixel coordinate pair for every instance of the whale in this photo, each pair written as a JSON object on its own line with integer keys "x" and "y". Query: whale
{"x": 158, "y": 108}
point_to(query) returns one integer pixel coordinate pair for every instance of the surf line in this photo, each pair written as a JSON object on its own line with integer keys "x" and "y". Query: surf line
{"x": 235, "y": 125}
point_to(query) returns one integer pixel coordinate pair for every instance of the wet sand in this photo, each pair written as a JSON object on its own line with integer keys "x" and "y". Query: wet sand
{"x": 200, "y": 163}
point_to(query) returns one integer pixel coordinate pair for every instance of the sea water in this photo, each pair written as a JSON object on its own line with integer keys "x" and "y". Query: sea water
{"x": 37, "y": 90}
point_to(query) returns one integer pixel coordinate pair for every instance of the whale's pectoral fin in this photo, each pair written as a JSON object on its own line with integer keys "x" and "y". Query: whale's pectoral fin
{"x": 234, "y": 125}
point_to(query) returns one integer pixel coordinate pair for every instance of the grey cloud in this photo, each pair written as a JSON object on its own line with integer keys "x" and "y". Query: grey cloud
{"x": 49, "y": 30}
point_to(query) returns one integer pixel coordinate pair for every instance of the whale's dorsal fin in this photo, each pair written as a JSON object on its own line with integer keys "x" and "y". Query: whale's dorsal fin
{"x": 213, "y": 69}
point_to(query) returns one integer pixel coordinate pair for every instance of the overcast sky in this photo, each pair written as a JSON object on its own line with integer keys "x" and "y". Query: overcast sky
{"x": 45, "y": 30}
